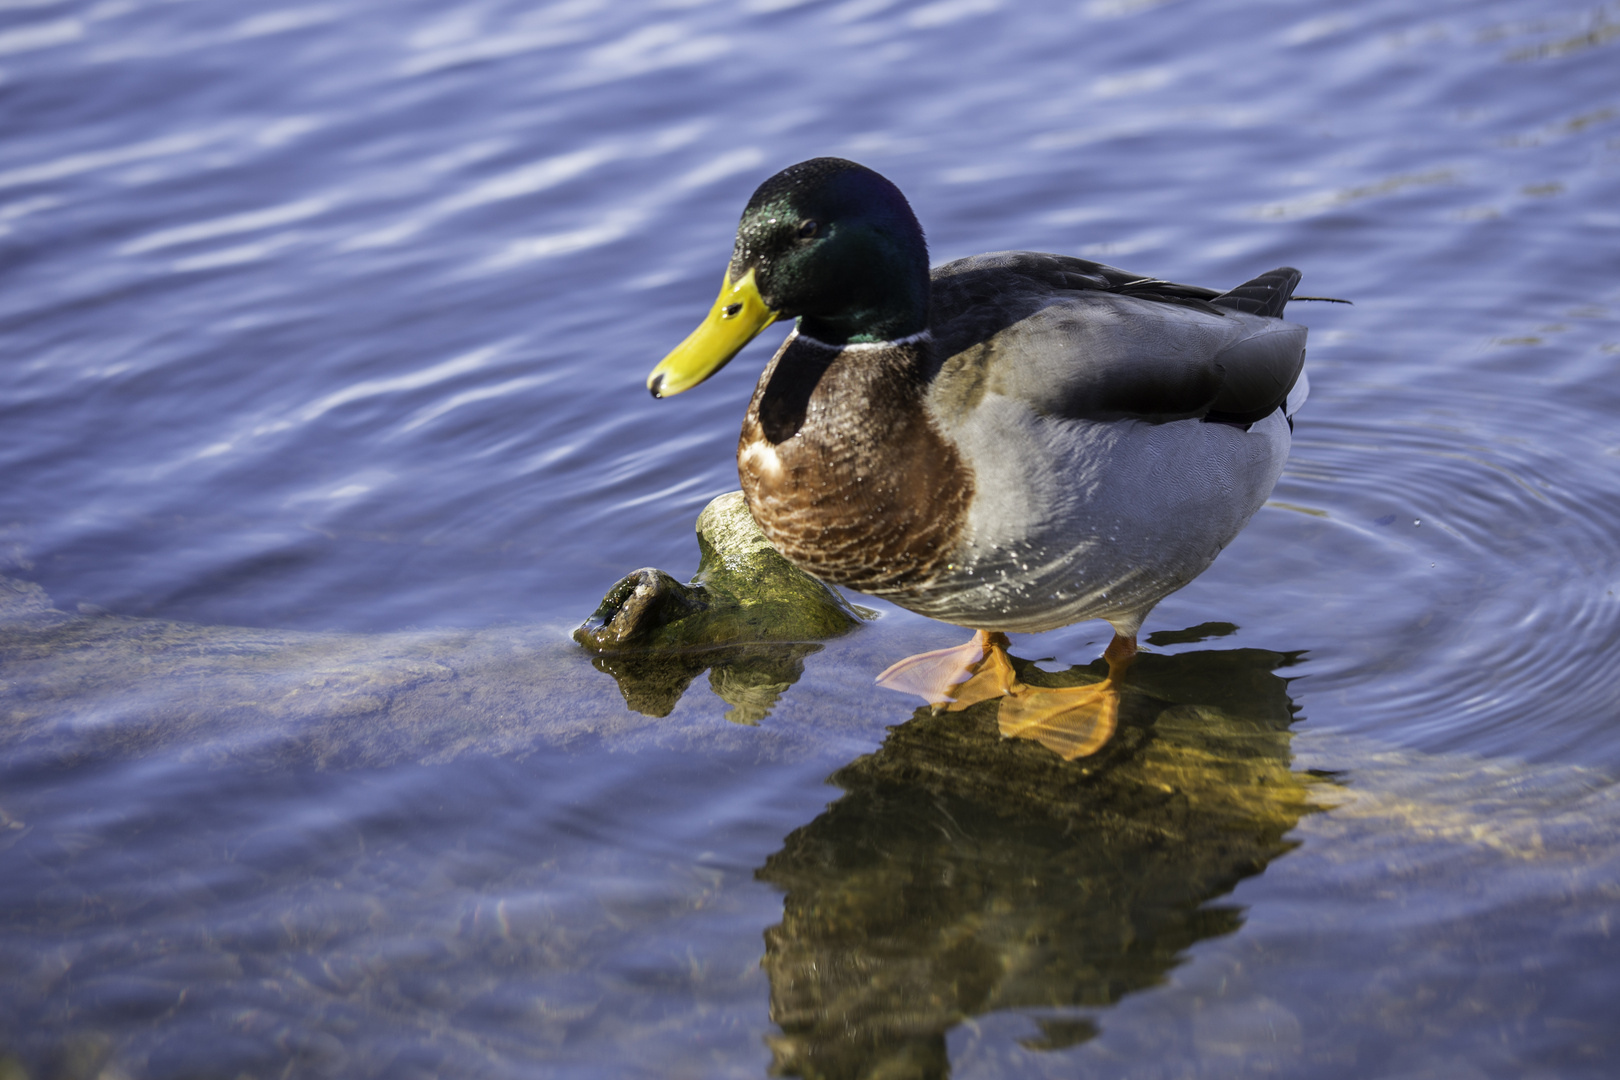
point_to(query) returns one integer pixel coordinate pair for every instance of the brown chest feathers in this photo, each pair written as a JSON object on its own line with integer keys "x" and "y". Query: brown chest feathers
{"x": 845, "y": 472}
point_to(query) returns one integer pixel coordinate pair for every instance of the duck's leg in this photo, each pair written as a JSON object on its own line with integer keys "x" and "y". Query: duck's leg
{"x": 1071, "y": 721}
{"x": 957, "y": 677}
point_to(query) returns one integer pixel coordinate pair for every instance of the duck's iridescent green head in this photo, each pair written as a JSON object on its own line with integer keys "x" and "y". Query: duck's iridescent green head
{"x": 825, "y": 241}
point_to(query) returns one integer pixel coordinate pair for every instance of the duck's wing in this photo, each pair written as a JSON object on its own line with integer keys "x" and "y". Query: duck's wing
{"x": 1078, "y": 339}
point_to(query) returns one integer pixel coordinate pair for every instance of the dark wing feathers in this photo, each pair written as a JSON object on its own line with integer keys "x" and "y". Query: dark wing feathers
{"x": 1002, "y": 321}
{"x": 1066, "y": 272}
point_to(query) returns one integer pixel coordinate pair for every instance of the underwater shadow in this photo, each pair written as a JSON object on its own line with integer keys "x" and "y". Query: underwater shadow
{"x": 963, "y": 873}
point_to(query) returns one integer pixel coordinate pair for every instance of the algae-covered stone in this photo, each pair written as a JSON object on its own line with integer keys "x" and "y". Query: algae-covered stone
{"x": 744, "y": 591}
{"x": 748, "y": 616}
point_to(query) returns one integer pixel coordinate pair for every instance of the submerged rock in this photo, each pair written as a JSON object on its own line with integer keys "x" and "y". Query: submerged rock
{"x": 77, "y": 685}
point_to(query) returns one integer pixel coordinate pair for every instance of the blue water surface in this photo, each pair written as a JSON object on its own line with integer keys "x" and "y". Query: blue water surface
{"x": 334, "y": 318}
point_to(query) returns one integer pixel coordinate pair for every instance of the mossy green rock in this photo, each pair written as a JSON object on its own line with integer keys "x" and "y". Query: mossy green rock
{"x": 744, "y": 591}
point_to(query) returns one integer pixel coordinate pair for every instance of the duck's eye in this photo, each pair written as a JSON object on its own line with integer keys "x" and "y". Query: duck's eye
{"x": 730, "y": 311}
{"x": 808, "y": 229}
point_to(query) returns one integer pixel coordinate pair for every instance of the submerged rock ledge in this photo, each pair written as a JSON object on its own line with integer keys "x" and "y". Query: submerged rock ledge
{"x": 78, "y": 685}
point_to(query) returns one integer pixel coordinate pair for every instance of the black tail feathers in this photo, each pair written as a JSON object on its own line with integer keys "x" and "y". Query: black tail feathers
{"x": 1266, "y": 295}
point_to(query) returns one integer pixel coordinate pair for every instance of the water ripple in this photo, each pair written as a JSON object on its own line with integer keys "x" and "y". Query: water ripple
{"x": 331, "y": 317}
{"x": 1506, "y": 553}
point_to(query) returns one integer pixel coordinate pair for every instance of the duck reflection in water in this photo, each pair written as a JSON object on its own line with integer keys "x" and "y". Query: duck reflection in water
{"x": 963, "y": 873}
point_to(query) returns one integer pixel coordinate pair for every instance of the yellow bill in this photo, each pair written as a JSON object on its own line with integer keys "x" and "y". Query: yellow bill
{"x": 735, "y": 320}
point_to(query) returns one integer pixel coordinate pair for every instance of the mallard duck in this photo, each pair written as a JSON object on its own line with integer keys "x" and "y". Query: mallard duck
{"x": 1014, "y": 441}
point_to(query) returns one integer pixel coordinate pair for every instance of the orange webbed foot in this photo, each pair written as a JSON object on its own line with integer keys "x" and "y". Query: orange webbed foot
{"x": 957, "y": 677}
{"x": 1073, "y": 721}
